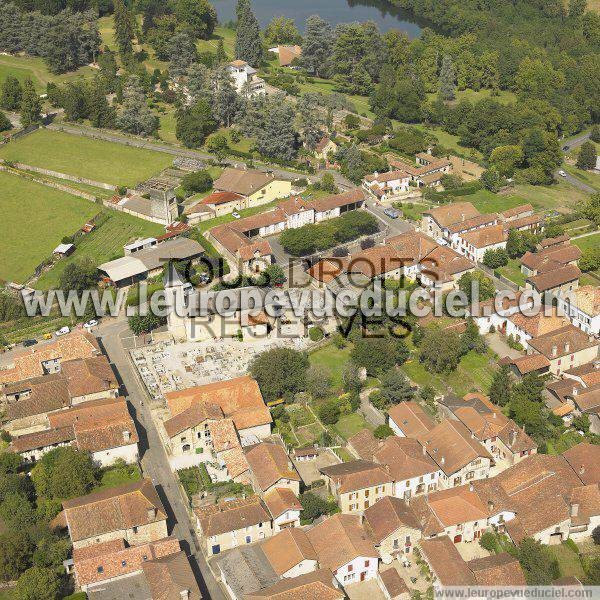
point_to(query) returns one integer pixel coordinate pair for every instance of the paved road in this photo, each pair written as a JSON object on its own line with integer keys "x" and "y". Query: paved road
{"x": 394, "y": 226}
{"x": 588, "y": 189}
{"x": 154, "y": 459}
{"x": 373, "y": 416}
{"x": 574, "y": 142}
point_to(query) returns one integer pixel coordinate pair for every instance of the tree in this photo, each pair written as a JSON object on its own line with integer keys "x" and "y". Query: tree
{"x": 226, "y": 102}
{"x": 475, "y": 284}
{"x": 221, "y": 55}
{"x": 495, "y": 258}
{"x": 136, "y": 116}
{"x": 101, "y": 114}
{"x": 351, "y": 381}
{"x": 182, "y": 54}
{"x": 79, "y": 276}
{"x": 595, "y": 134}
{"x": 539, "y": 566}
{"x": 140, "y": 324}
{"x": 273, "y": 275}
{"x": 197, "y": 182}
{"x": 198, "y": 17}
{"x": 440, "y": 350}
{"x": 596, "y": 535}
{"x": 328, "y": 183}
{"x": 11, "y": 93}
{"x": 505, "y": 159}
{"x": 491, "y": 179}
{"x": 379, "y": 354}
{"x": 199, "y": 84}
{"x": 282, "y": 31}
{"x": 471, "y": 339}
{"x": 51, "y": 551}
{"x": 64, "y": 473}
{"x": 590, "y": 260}
{"x": 501, "y": 386}
{"x": 317, "y": 48}
{"x": 395, "y": 387}
{"x": 591, "y": 209}
{"x": 318, "y": 381}
{"x": 217, "y": 144}
{"x": 587, "y": 156}
{"x": 519, "y": 242}
{"x": 31, "y": 105}
{"x": 329, "y": 412}
{"x": 10, "y": 462}
{"x": 248, "y": 44}
{"x": 447, "y": 81}
{"x": 581, "y": 423}
{"x": 194, "y": 124}
{"x": 38, "y": 583}
{"x": 280, "y": 372}
{"x": 16, "y": 549}
{"x": 124, "y": 27}
{"x": 383, "y": 431}
{"x": 313, "y": 506}
{"x": 277, "y": 138}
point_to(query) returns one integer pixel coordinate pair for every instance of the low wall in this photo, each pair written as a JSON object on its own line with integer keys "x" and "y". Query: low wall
{"x": 73, "y": 178}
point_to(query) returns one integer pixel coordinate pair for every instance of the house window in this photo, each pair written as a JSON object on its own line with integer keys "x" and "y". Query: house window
{"x": 366, "y": 493}
{"x": 350, "y": 568}
{"x": 123, "y": 563}
{"x": 407, "y": 540}
{"x": 100, "y": 569}
{"x": 248, "y": 539}
{"x": 216, "y": 549}
{"x": 396, "y": 544}
{"x": 367, "y": 563}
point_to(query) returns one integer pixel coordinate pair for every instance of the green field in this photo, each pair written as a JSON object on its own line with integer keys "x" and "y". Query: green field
{"x": 587, "y": 242}
{"x": 34, "y": 220}
{"x": 513, "y": 272}
{"x": 488, "y": 202}
{"x": 102, "y": 161}
{"x": 350, "y": 425}
{"x": 333, "y": 359}
{"x": 105, "y": 243}
{"x": 34, "y": 68}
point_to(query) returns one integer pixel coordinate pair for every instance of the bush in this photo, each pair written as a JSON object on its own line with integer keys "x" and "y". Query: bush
{"x": 383, "y": 431}
{"x": 488, "y": 541}
{"x": 329, "y": 412}
{"x": 596, "y": 535}
{"x": 315, "y": 334}
{"x": 197, "y": 182}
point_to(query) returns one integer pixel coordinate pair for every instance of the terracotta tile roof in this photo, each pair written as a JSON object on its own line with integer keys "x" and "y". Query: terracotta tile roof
{"x": 588, "y": 401}
{"x": 514, "y": 438}
{"x": 567, "y": 340}
{"x": 497, "y": 570}
{"x": 262, "y": 247}
{"x": 387, "y": 176}
{"x": 516, "y": 211}
{"x": 451, "y": 446}
{"x": 87, "y": 376}
{"x": 48, "y": 393}
{"x": 279, "y": 500}
{"x": 241, "y": 181}
{"x": 340, "y": 539}
{"x": 112, "y": 509}
{"x": 231, "y": 515}
{"x": 412, "y": 246}
{"x": 169, "y": 576}
{"x": 584, "y": 459}
{"x": 455, "y": 505}
{"x": 475, "y": 221}
{"x": 387, "y": 515}
{"x": 238, "y": 398}
{"x": 442, "y": 263}
{"x": 317, "y": 585}
{"x": 555, "y": 241}
{"x": 223, "y": 435}
{"x": 527, "y": 221}
{"x": 357, "y": 475}
{"x": 487, "y": 236}
{"x": 375, "y": 261}
{"x": 306, "y": 451}
{"x": 448, "y": 214}
{"x": 218, "y": 198}
{"x": 563, "y": 410}
{"x": 554, "y": 278}
{"x": 528, "y": 364}
{"x": 269, "y": 463}
{"x": 539, "y": 324}
{"x": 231, "y": 239}
{"x": 589, "y": 373}
{"x": 328, "y": 269}
{"x": 287, "y": 54}
{"x": 404, "y": 458}
{"x": 587, "y": 299}
{"x": 365, "y": 444}
{"x": 112, "y": 559}
{"x": 28, "y": 364}
{"x": 393, "y": 583}
{"x": 587, "y": 500}
{"x": 42, "y": 439}
{"x": 411, "y": 418}
{"x": 235, "y": 462}
{"x": 287, "y": 549}
{"x": 446, "y": 562}
{"x": 483, "y": 426}
{"x": 322, "y": 144}
{"x": 339, "y": 200}
{"x": 193, "y": 416}
{"x": 561, "y": 255}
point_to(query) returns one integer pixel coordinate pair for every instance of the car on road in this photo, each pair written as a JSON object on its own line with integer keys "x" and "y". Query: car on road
{"x": 91, "y": 323}
{"x": 62, "y": 331}
{"x": 562, "y": 173}
{"x": 566, "y": 148}
{"x": 28, "y": 343}
{"x": 391, "y": 213}
{"x": 236, "y": 215}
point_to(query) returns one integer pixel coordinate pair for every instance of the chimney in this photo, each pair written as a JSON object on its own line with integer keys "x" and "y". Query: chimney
{"x": 596, "y": 362}
{"x": 574, "y": 509}
{"x": 151, "y": 513}
{"x": 443, "y": 461}
{"x": 126, "y": 435}
{"x": 185, "y": 594}
{"x": 512, "y": 438}
{"x": 567, "y": 346}
{"x": 462, "y": 216}
{"x": 575, "y": 391}
{"x": 490, "y": 505}
{"x": 424, "y": 450}
{"x": 581, "y": 470}
{"x": 554, "y": 350}
{"x": 471, "y": 487}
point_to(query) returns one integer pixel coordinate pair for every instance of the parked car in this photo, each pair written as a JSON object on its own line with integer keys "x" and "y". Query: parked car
{"x": 236, "y": 215}
{"x": 562, "y": 173}
{"x": 91, "y": 323}
{"x": 28, "y": 343}
{"x": 566, "y": 148}
{"x": 62, "y": 331}
{"x": 47, "y": 336}
{"x": 391, "y": 213}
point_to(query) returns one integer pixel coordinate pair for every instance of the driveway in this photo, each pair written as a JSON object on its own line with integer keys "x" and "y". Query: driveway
{"x": 309, "y": 469}
{"x": 373, "y": 415}
{"x": 154, "y": 461}
{"x": 498, "y": 344}
{"x": 394, "y": 226}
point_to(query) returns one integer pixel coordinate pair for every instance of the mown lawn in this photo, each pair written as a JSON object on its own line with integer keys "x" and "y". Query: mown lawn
{"x": 102, "y": 161}
{"x": 568, "y": 561}
{"x": 350, "y": 425}
{"x": 560, "y": 196}
{"x": 333, "y": 359}
{"x": 587, "y": 242}
{"x": 34, "y": 220}
{"x": 513, "y": 271}
{"x": 488, "y": 202}
{"x": 104, "y": 243}
{"x": 118, "y": 475}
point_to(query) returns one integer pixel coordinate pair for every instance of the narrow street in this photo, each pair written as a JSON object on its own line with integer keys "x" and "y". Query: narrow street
{"x": 154, "y": 459}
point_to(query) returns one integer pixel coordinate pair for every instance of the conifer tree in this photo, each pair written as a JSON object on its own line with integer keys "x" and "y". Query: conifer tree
{"x": 248, "y": 44}
{"x": 31, "y": 105}
{"x": 447, "y": 80}
{"x": 10, "y": 93}
{"x": 100, "y": 112}
{"x": 124, "y": 31}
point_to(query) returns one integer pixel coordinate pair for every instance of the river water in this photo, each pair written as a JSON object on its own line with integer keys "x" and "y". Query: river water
{"x": 334, "y": 11}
